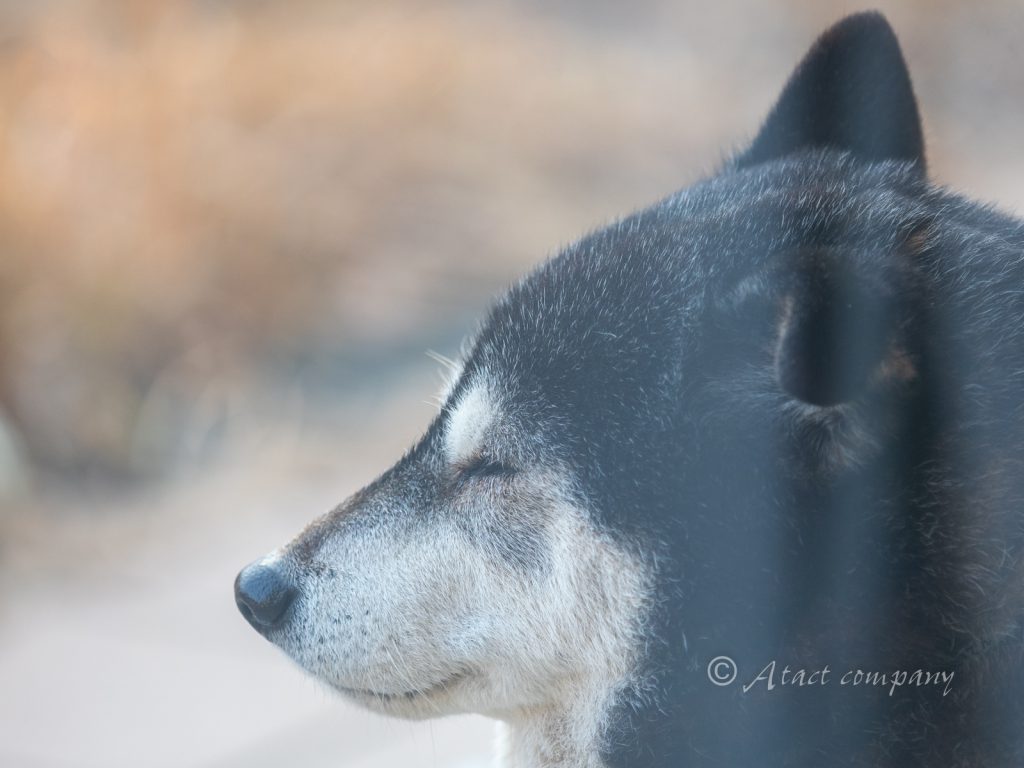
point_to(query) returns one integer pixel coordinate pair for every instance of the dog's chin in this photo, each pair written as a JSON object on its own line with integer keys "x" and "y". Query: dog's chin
{"x": 430, "y": 700}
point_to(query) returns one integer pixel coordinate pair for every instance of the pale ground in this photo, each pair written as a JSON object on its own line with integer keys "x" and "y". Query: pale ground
{"x": 120, "y": 644}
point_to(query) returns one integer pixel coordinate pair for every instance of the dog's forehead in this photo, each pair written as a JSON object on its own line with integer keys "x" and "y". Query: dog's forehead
{"x": 620, "y": 309}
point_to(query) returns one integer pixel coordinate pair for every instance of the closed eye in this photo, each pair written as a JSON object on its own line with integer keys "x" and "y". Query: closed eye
{"x": 484, "y": 466}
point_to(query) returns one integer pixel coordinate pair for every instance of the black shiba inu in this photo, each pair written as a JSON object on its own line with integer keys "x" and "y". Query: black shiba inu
{"x": 733, "y": 482}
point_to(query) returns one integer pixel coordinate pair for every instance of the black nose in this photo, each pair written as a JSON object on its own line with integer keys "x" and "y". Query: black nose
{"x": 263, "y": 593}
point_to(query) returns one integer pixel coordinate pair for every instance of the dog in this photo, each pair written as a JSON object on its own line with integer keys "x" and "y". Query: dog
{"x": 734, "y": 481}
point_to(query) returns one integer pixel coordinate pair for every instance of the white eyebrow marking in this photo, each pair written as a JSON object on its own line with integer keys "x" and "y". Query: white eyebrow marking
{"x": 468, "y": 421}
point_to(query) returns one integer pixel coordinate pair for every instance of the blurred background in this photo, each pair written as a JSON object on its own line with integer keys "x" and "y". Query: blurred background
{"x": 229, "y": 233}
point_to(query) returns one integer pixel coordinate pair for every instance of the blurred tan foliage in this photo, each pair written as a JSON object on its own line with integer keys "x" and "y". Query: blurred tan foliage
{"x": 187, "y": 187}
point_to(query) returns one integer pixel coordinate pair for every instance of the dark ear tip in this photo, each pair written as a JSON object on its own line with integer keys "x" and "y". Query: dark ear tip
{"x": 871, "y": 22}
{"x": 851, "y": 92}
{"x": 867, "y": 31}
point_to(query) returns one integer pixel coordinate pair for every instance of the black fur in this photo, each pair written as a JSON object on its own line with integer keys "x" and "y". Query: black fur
{"x": 836, "y": 329}
{"x": 796, "y": 390}
{"x": 852, "y": 92}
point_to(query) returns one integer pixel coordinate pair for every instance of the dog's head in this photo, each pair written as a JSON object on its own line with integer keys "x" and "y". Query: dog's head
{"x": 507, "y": 562}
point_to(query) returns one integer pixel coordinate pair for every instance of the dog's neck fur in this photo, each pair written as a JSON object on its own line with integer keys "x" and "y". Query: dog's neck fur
{"x": 558, "y": 736}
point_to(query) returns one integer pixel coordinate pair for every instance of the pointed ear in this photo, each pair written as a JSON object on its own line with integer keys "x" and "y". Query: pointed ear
{"x": 851, "y": 92}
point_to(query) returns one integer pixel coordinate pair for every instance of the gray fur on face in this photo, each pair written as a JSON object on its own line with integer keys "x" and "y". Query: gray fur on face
{"x": 446, "y": 594}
